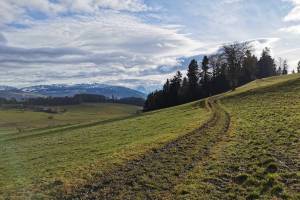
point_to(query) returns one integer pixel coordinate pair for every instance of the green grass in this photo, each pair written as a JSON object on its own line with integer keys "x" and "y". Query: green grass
{"x": 259, "y": 157}
{"x": 16, "y": 120}
{"x": 36, "y": 164}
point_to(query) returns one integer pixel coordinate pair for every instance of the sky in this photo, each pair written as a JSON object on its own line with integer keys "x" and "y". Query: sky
{"x": 133, "y": 43}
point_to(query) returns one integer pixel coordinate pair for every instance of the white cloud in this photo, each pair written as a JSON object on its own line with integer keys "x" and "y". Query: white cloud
{"x": 94, "y": 47}
{"x": 294, "y": 14}
{"x": 127, "y": 41}
{"x": 291, "y": 29}
{"x": 17, "y": 10}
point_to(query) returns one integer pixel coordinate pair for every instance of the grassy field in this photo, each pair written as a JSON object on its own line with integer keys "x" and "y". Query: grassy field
{"x": 259, "y": 157}
{"x": 239, "y": 145}
{"x": 39, "y": 163}
{"x": 15, "y": 120}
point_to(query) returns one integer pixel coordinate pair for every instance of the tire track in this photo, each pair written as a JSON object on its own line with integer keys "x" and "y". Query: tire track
{"x": 155, "y": 174}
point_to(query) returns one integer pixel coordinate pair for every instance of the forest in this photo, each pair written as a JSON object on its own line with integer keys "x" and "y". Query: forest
{"x": 234, "y": 65}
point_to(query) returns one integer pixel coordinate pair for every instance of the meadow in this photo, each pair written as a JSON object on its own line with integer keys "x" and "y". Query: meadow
{"x": 239, "y": 145}
{"x": 21, "y": 120}
{"x": 40, "y": 163}
{"x": 258, "y": 158}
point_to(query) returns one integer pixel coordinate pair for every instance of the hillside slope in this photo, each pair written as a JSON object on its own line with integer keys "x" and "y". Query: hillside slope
{"x": 40, "y": 164}
{"x": 238, "y": 145}
{"x": 259, "y": 157}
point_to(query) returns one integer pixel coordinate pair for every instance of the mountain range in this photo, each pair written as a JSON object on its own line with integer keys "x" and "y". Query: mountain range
{"x": 61, "y": 90}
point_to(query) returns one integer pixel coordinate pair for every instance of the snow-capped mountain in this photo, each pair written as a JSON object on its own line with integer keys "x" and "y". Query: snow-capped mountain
{"x": 71, "y": 90}
{"x": 61, "y": 90}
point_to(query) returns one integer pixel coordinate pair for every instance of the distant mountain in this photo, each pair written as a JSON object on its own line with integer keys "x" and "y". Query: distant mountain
{"x": 68, "y": 90}
{"x": 6, "y": 88}
{"x": 71, "y": 90}
{"x": 7, "y": 92}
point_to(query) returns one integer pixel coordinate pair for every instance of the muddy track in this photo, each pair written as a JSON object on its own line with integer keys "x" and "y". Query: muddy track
{"x": 155, "y": 174}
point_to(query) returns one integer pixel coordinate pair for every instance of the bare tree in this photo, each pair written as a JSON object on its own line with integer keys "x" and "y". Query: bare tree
{"x": 285, "y": 67}
{"x": 234, "y": 54}
{"x": 279, "y": 66}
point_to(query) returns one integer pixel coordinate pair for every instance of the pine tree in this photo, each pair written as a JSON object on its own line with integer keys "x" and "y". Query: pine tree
{"x": 266, "y": 65}
{"x": 166, "y": 93}
{"x": 175, "y": 85}
{"x": 193, "y": 78}
{"x": 249, "y": 68}
{"x": 205, "y": 77}
{"x": 298, "y": 67}
{"x": 183, "y": 92}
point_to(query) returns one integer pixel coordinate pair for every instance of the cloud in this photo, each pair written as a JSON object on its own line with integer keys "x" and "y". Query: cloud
{"x": 294, "y": 14}
{"x": 2, "y": 39}
{"x": 92, "y": 47}
{"x": 20, "y": 11}
{"x": 291, "y": 29}
{"x": 75, "y": 41}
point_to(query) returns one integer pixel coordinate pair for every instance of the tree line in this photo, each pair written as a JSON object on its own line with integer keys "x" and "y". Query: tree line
{"x": 234, "y": 65}
{"x": 75, "y": 100}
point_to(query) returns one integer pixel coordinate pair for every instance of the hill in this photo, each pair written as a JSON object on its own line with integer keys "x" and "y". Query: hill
{"x": 68, "y": 90}
{"x": 238, "y": 145}
{"x": 14, "y": 93}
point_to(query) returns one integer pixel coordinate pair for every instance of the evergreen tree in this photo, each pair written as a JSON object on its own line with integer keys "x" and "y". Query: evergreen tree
{"x": 205, "y": 77}
{"x": 235, "y": 65}
{"x": 249, "y": 68}
{"x": 193, "y": 78}
{"x": 298, "y": 67}
{"x": 183, "y": 92}
{"x": 175, "y": 85}
{"x": 266, "y": 65}
{"x": 166, "y": 94}
{"x": 219, "y": 82}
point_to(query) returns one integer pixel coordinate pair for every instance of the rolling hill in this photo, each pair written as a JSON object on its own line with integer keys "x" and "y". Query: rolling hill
{"x": 68, "y": 90}
{"x": 238, "y": 145}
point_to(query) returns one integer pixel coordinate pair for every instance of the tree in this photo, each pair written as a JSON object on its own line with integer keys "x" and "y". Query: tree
{"x": 298, "y": 67}
{"x": 205, "y": 77}
{"x": 279, "y": 66}
{"x": 266, "y": 65}
{"x": 219, "y": 81}
{"x": 234, "y": 55}
{"x": 183, "y": 92}
{"x": 249, "y": 68}
{"x": 233, "y": 66}
{"x": 166, "y": 94}
{"x": 285, "y": 67}
{"x": 175, "y": 85}
{"x": 193, "y": 78}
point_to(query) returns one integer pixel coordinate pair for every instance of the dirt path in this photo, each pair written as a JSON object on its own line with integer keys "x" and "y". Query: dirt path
{"x": 157, "y": 172}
